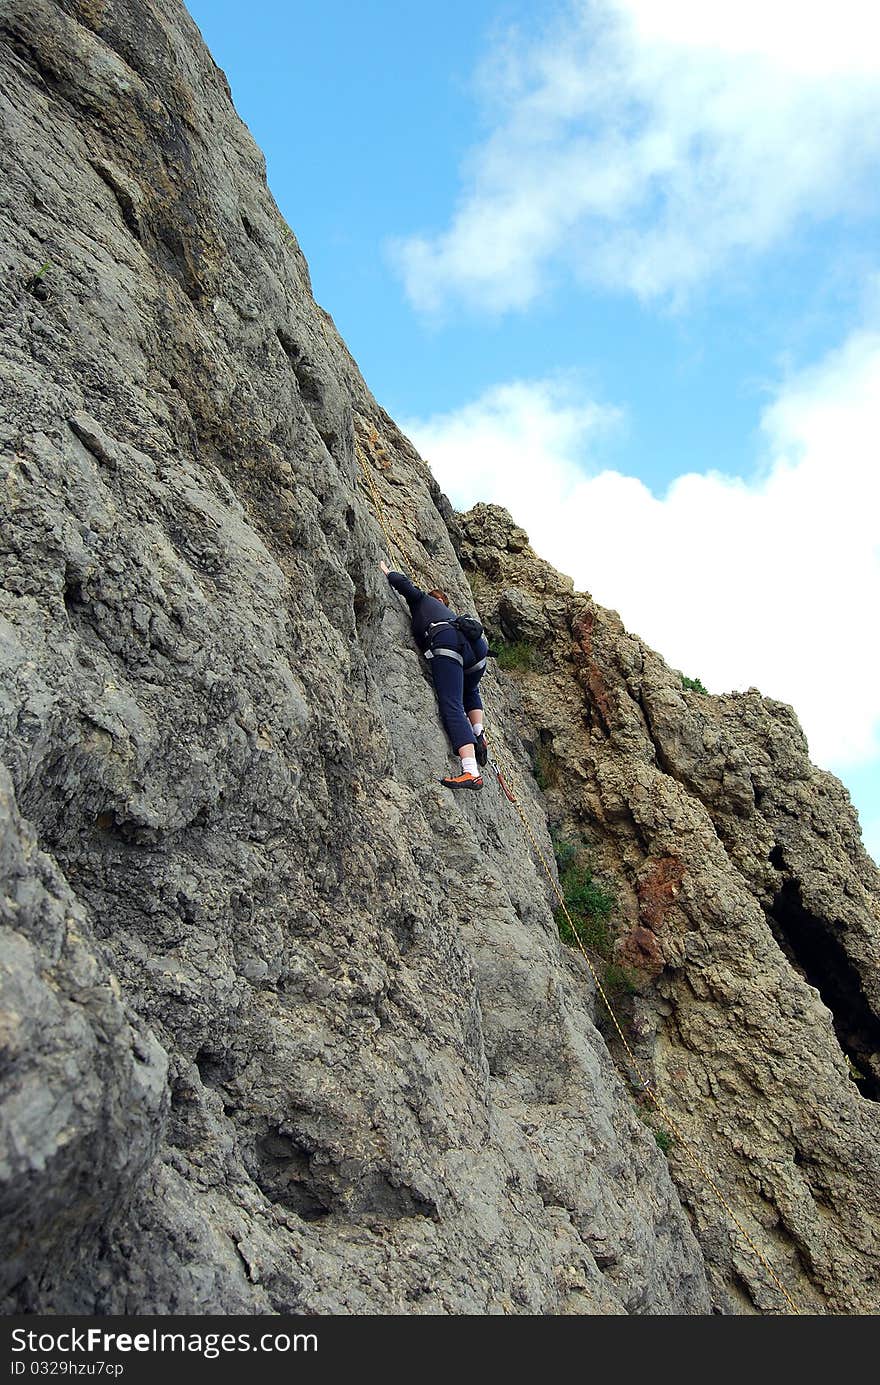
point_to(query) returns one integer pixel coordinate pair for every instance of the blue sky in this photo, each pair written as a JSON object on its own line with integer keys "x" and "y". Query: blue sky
{"x": 615, "y": 265}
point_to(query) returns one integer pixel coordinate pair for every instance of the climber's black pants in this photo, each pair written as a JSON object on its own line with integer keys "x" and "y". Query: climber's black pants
{"x": 457, "y": 686}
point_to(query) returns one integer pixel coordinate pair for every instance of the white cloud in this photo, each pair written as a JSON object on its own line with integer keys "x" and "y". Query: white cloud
{"x": 642, "y": 145}
{"x": 524, "y": 436}
{"x": 772, "y": 582}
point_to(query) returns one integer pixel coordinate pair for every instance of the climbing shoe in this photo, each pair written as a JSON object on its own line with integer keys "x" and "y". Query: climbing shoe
{"x": 481, "y": 750}
{"x": 463, "y": 781}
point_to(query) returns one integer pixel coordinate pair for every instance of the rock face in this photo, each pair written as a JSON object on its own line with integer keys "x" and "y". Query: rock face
{"x": 285, "y": 1027}
{"x": 748, "y": 913}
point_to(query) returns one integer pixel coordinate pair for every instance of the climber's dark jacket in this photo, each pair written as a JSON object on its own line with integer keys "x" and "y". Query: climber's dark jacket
{"x": 423, "y": 609}
{"x": 431, "y": 624}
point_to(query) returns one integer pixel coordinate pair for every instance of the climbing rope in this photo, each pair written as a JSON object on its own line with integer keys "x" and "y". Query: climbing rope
{"x": 392, "y": 538}
{"x": 642, "y": 1081}
{"x": 507, "y": 783}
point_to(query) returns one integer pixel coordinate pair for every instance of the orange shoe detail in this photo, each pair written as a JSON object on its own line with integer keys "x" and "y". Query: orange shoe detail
{"x": 463, "y": 781}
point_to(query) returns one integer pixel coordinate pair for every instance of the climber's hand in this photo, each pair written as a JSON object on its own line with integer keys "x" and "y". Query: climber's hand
{"x": 385, "y": 568}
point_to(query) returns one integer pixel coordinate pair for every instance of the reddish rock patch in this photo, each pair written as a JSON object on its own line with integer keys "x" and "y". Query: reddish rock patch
{"x": 583, "y": 631}
{"x": 640, "y": 948}
{"x": 589, "y": 675}
{"x": 657, "y": 890}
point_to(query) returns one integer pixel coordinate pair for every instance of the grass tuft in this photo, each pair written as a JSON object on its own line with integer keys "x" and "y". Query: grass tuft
{"x": 545, "y": 768}
{"x": 589, "y": 919}
{"x": 589, "y": 904}
{"x": 693, "y": 684}
{"x": 518, "y": 656}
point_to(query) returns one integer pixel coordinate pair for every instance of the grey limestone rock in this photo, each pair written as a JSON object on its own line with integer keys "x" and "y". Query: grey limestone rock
{"x": 289, "y": 1028}
{"x": 286, "y": 1027}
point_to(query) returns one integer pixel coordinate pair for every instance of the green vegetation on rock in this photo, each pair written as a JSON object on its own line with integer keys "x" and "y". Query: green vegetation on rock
{"x": 693, "y": 684}
{"x": 517, "y": 656}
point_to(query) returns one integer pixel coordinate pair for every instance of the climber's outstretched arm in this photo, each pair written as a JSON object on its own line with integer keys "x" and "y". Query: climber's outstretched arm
{"x": 402, "y": 584}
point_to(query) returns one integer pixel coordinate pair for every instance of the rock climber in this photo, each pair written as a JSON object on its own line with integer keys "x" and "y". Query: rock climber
{"x": 457, "y": 664}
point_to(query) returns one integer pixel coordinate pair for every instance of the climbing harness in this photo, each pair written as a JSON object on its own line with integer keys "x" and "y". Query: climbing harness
{"x": 441, "y": 652}
{"x": 504, "y": 775}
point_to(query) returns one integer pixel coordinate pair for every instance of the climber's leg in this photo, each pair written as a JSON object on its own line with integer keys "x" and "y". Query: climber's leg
{"x": 448, "y": 674}
{"x": 481, "y": 750}
{"x": 473, "y": 705}
{"x": 447, "y": 671}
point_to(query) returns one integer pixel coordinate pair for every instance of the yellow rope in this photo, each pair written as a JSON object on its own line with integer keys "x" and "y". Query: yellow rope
{"x": 503, "y": 769}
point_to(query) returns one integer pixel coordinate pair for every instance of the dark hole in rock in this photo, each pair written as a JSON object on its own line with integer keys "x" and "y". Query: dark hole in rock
{"x": 284, "y": 1173}
{"x": 309, "y": 385}
{"x": 304, "y": 1179}
{"x": 288, "y": 346}
{"x": 249, "y": 230}
{"x": 777, "y": 859}
{"x": 74, "y": 597}
{"x": 215, "y": 1067}
{"x": 310, "y": 388}
{"x": 361, "y": 606}
{"x": 810, "y": 944}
